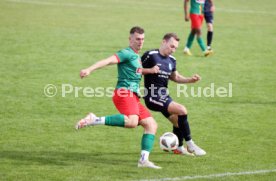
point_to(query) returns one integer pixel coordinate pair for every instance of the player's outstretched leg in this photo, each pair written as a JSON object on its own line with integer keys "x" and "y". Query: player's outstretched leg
{"x": 92, "y": 120}
{"x": 88, "y": 120}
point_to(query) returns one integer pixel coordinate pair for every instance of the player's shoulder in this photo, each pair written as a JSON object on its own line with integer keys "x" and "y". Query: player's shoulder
{"x": 127, "y": 54}
{"x": 123, "y": 51}
{"x": 172, "y": 58}
{"x": 154, "y": 51}
{"x": 127, "y": 50}
{"x": 148, "y": 56}
{"x": 151, "y": 52}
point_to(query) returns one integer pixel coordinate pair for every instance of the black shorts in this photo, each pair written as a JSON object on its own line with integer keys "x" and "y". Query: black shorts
{"x": 209, "y": 18}
{"x": 159, "y": 104}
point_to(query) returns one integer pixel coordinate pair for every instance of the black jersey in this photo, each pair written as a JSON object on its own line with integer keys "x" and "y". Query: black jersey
{"x": 207, "y": 6}
{"x": 166, "y": 65}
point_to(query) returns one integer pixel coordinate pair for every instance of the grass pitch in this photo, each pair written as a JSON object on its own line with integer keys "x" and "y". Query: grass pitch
{"x": 48, "y": 42}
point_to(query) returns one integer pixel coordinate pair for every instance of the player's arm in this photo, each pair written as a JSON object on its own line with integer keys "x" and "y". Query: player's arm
{"x": 212, "y": 6}
{"x": 153, "y": 70}
{"x": 176, "y": 77}
{"x": 148, "y": 68}
{"x": 186, "y": 10}
{"x": 100, "y": 64}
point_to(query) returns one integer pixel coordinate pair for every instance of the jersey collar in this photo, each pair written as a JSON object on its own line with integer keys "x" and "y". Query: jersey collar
{"x": 134, "y": 50}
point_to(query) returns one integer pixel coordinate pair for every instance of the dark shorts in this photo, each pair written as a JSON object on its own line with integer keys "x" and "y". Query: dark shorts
{"x": 209, "y": 18}
{"x": 159, "y": 104}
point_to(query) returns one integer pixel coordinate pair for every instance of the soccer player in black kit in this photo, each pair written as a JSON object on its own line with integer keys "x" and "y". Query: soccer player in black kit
{"x": 209, "y": 9}
{"x": 156, "y": 97}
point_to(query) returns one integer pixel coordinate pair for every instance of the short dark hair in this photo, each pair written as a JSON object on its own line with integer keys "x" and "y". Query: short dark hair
{"x": 167, "y": 36}
{"x": 136, "y": 29}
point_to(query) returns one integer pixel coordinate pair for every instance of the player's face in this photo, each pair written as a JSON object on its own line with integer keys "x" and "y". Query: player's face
{"x": 170, "y": 46}
{"x": 136, "y": 41}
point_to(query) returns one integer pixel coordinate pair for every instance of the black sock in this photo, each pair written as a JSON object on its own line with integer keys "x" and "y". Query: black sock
{"x": 209, "y": 38}
{"x": 184, "y": 127}
{"x": 179, "y": 134}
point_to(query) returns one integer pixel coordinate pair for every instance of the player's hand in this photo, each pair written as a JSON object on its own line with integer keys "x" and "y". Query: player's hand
{"x": 155, "y": 69}
{"x": 195, "y": 78}
{"x": 187, "y": 18}
{"x": 84, "y": 73}
{"x": 212, "y": 9}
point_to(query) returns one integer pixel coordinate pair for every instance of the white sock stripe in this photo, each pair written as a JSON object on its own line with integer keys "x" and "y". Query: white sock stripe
{"x": 227, "y": 174}
{"x": 144, "y": 155}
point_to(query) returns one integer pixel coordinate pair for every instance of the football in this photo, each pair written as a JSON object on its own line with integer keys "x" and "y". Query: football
{"x": 168, "y": 141}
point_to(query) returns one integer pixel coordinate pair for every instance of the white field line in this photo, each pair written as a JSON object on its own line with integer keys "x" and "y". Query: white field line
{"x": 219, "y": 175}
{"x": 147, "y": 4}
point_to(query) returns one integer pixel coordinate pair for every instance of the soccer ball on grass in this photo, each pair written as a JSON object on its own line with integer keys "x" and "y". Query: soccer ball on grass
{"x": 168, "y": 141}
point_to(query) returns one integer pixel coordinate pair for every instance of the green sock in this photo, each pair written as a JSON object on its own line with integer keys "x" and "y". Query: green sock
{"x": 147, "y": 142}
{"x": 201, "y": 43}
{"x": 190, "y": 40}
{"x": 115, "y": 120}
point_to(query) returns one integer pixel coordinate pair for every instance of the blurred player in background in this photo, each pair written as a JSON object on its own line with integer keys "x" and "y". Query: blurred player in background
{"x": 157, "y": 97}
{"x": 209, "y": 9}
{"x": 125, "y": 97}
{"x": 196, "y": 16}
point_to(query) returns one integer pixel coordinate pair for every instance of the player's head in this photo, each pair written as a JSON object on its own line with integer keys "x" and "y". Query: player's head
{"x": 169, "y": 44}
{"x": 136, "y": 38}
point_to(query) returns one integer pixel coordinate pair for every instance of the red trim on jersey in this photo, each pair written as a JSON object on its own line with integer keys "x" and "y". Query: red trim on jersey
{"x": 134, "y": 50}
{"x": 117, "y": 57}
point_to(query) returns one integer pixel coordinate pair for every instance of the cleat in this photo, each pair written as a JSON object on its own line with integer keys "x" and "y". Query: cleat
{"x": 182, "y": 151}
{"x": 147, "y": 164}
{"x": 209, "y": 49}
{"x": 207, "y": 53}
{"x": 87, "y": 121}
{"x": 196, "y": 150}
{"x": 187, "y": 52}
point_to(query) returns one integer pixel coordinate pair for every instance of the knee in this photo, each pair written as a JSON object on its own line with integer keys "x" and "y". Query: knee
{"x": 132, "y": 125}
{"x": 150, "y": 126}
{"x": 198, "y": 33}
{"x": 154, "y": 126}
{"x": 194, "y": 31}
{"x": 182, "y": 110}
{"x": 210, "y": 27}
{"x": 131, "y": 122}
